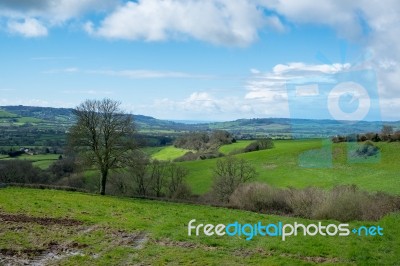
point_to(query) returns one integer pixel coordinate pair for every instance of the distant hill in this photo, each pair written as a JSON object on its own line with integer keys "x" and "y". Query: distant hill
{"x": 62, "y": 118}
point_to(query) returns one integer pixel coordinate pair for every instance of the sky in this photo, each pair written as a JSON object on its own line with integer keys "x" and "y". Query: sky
{"x": 208, "y": 60}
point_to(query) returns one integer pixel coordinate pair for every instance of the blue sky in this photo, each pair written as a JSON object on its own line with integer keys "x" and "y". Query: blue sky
{"x": 203, "y": 60}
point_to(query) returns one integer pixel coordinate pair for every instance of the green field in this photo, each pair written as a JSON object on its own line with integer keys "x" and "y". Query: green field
{"x": 42, "y": 161}
{"x": 5, "y": 114}
{"x": 121, "y": 231}
{"x": 168, "y": 153}
{"x": 280, "y": 167}
{"x": 241, "y": 144}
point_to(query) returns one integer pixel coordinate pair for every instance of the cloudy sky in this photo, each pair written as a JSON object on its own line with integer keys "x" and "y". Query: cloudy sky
{"x": 205, "y": 60}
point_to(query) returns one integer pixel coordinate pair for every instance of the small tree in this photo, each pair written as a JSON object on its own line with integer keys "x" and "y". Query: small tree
{"x": 229, "y": 173}
{"x": 386, "y": 132}
{"x": 138, "y": 165}
{"x": 102, "y": 135}
{"x": 176, "y": 179}
{"x": 157, "y": 177}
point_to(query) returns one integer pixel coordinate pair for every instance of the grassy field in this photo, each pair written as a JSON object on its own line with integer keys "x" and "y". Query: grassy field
{"x": 281, "y": 167}
{"x": 168, "y": 153}
{"x": 102, "y": 230}
{"x": 5, "y": 114}
{"x": 227, "y": 149}
{"x": 42, "y": 161}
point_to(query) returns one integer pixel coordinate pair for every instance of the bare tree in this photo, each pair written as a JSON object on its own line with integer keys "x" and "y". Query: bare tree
{"x": 229, "y": 173}
{"x": 157, "y": 176}
{"x": 139, "y": 164}
{"x": 177, "y": 175}
{"x": 103, "y": 135}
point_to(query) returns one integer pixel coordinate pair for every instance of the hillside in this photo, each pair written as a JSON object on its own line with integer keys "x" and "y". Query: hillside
{"x": 46, "y": 118}
{"x": 69, "y": 228}
{"x": 281, "y": 167}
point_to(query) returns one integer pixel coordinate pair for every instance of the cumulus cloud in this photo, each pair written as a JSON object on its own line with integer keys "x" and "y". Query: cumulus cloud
{"x": 371, "y": 24}
{"x": 31, "y": 18}
{"x": 29, "y": 27}
{"x": 222, "y": 22}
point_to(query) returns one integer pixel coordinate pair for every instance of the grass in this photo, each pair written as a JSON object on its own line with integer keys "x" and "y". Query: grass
{"x": 24, "y": 120}
{"x": 241, "y": 144}
{"x": 5, "y": 114}
{"x": 169, "y": 153}
{"x": 281, "y": 167}
{"x": 42, "y": 161}
{"x": 163, "y": 226}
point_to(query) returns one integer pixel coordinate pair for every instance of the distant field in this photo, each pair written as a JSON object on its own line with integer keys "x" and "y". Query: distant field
{"x": 226, "y": 149}
{"x": 169, "y": 153}
{"x": 5, "y": 114}
{"x": 101, "y": 230}
{"x": 24, "y": 120}
{"x": 280, "y": 167}
{"x": 42, "y": 161}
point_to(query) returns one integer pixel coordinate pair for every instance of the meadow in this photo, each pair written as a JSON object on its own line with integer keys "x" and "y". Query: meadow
{"x": 281, "y": 167}
{"x": 76, "y": 228}
{"x": 42, "y": 161}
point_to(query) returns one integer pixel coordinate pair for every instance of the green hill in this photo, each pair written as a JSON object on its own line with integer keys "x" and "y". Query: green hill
{"x": 5, "y": 114}
{"x": 69, "y": 228}
{"x": 281, "y": 167}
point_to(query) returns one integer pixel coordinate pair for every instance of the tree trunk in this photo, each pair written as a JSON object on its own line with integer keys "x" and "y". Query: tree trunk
{"x": 104, "y": 174}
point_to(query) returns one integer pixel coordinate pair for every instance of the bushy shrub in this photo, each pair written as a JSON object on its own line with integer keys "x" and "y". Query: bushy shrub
{"x": 305, "y": 202}
{"x": 261, "y": 144}
{"x": 21, "y": 171}
{"x": 191, "y": 156}
{"x": 343, "y": 203}
{"x": 367, "y": 149}
{"x": 260, "y": 197}
{"x": 75, "y": 180}
{"x": 63, "y": 167}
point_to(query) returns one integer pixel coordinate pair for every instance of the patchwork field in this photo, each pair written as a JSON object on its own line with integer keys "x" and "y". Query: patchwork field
{"x": 168, "y": 153}
{"x": 66, "y": 228}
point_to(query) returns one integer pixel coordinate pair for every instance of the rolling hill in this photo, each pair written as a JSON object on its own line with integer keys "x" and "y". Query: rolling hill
{"x": 47, "y": 117}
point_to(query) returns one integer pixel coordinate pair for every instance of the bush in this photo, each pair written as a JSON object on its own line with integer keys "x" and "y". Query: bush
{"x": 74, "y": 180}
{"x": 21, "y": 171}
{"x": 305, "y": 202}
{"x": 260, "y": 198}
{"x": 63, "y": 167}
{"x": 343, "y": 203}
{"x": 190, "y": 156}
{"x": 261, "y": 144}
{"x": 367, "y": 149}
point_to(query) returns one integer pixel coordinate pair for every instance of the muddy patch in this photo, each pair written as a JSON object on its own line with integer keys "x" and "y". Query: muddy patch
{"x": 55, "y": 240}
{"x": 21, "y": 218}
{"x": 134, "y": 240}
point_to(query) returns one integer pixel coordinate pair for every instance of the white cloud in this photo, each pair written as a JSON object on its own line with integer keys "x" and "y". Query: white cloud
{"x": 64, "y": 70}
{"x": 299, "y": 67}
{"x": 29, "y": 27}
{"x": 372, "y": 24}
{"x": 222, "y": 22}
{"x": 39, "y": 16}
